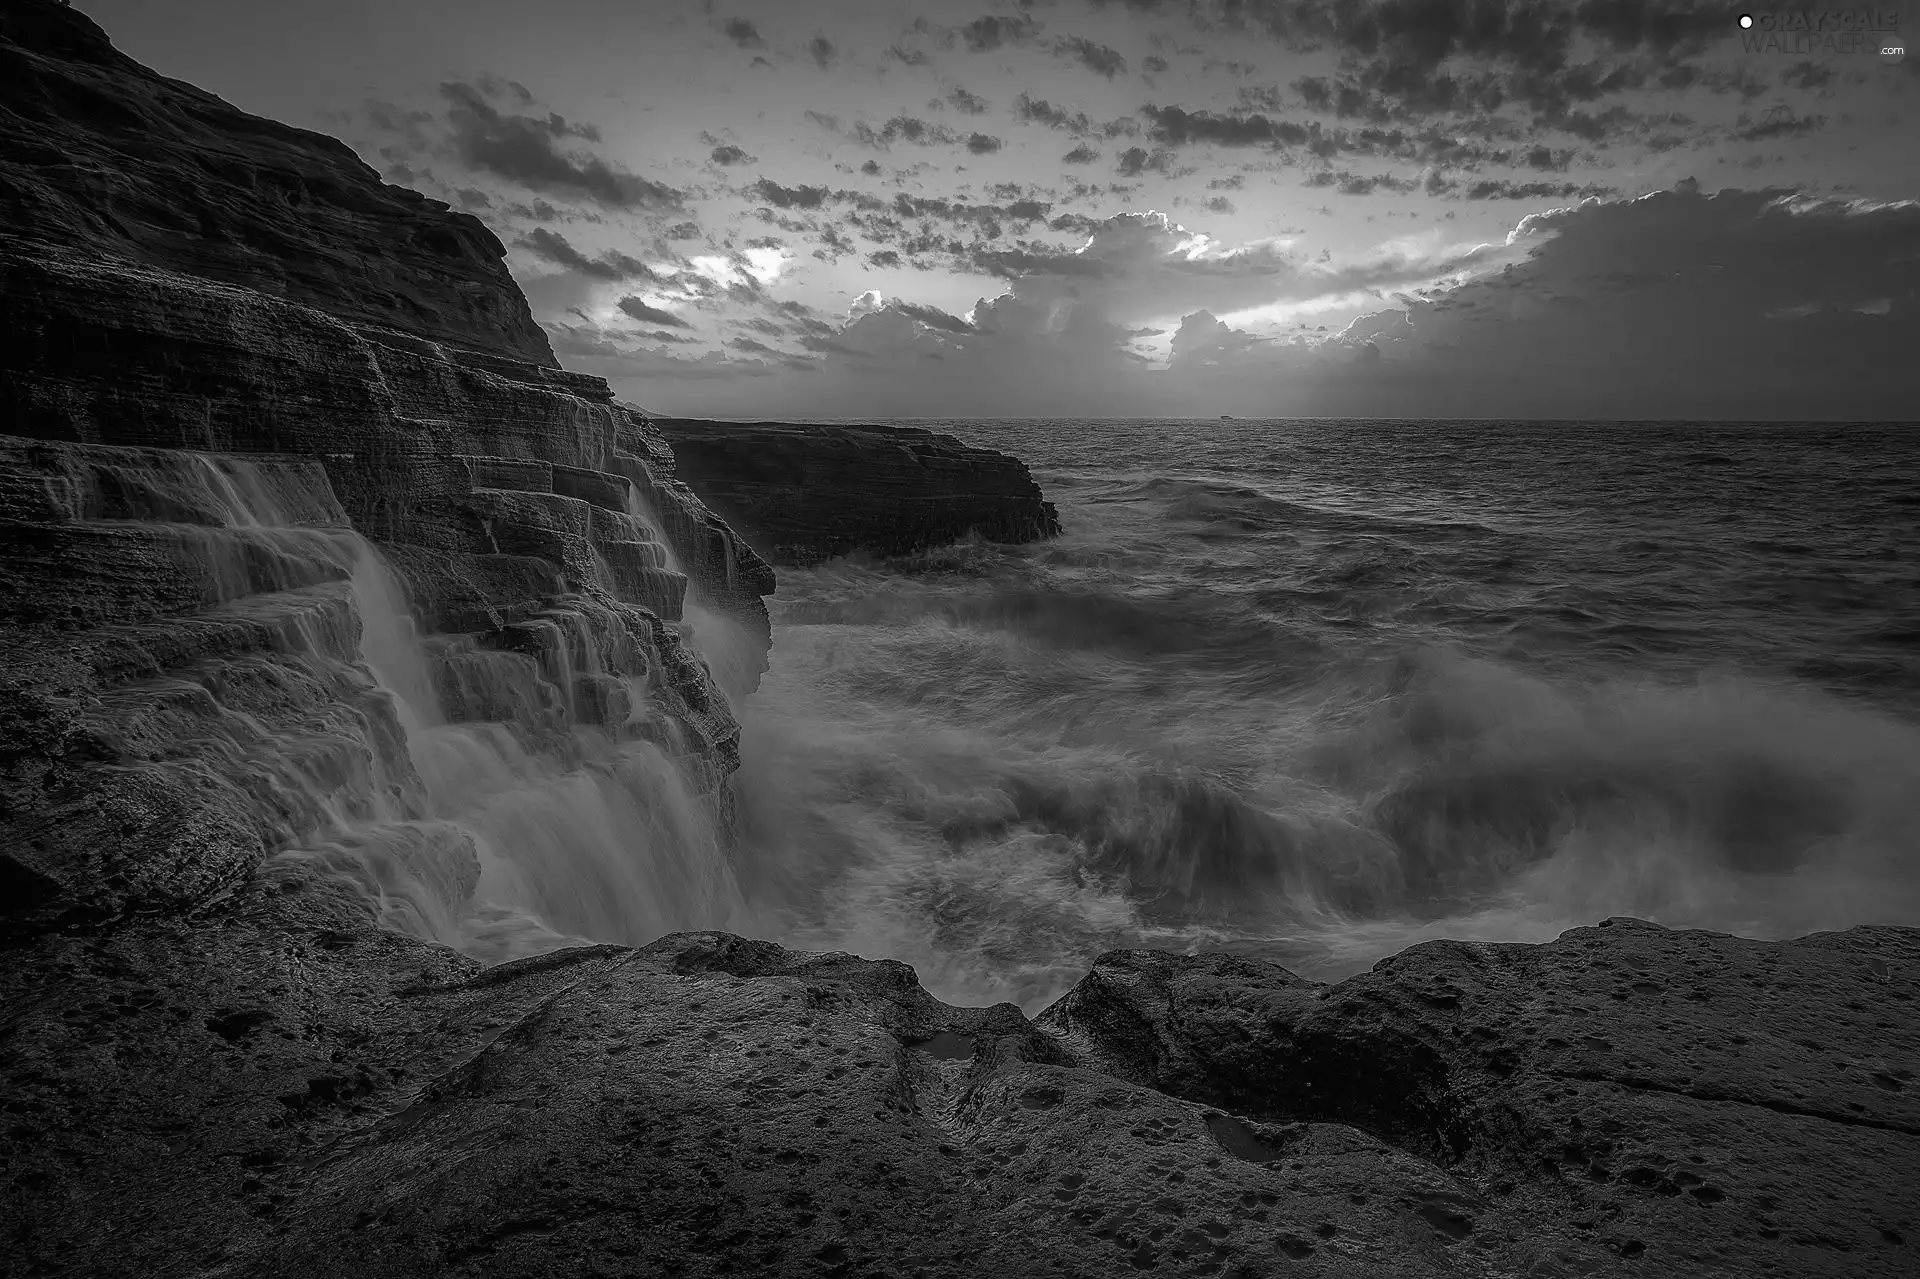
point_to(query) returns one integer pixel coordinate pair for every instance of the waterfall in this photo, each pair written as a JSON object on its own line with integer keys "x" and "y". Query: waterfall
{"x": 487, "y": 812}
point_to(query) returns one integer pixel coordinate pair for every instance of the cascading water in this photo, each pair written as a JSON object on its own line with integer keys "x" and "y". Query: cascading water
{"x": 504, "y": 836}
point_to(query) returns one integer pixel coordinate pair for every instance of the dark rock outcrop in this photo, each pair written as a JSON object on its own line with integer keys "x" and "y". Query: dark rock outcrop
{"x": 805, "y": 493}
{"x": 229, "y": 350}
{"x": 175, "y": 273}
{"x": 99, "y": 154}
{"x": 268, "y": 1089}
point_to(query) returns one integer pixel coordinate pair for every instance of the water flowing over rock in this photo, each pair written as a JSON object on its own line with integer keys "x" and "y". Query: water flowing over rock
{"x": 805, "y": 493}
{"x": 359, "y": 668}
{"x": 234, "y": 356}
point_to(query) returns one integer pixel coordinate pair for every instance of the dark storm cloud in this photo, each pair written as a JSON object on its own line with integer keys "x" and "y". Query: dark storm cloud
{"x": 652, "y": 314}
{"x": 982, "y": 144}
{"x": 821, "y": 50}
{"x": 1095, "y": 57}
{"x": 1082, "y": 154}
{"x": 1547, "y": 159}
{"x": 871, "y": 168}
{"x": 884, "y": 257}
{"x": 1219, "y": 204}
{"x": 611, "y": 265}
{"x": 729, "y": 154}
{"x": 528, "y": 150}
{"x": 743, "y": 33}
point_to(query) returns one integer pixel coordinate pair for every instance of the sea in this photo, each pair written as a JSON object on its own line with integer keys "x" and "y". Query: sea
{"x": 1319, "y": 690}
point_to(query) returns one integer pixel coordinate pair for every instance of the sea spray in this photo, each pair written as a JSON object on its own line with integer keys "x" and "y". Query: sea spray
{"x": 1300, "y": 701}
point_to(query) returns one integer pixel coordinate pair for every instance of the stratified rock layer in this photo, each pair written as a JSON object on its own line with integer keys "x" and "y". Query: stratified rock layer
{"x": 100, "y": 154}
{"x": 266, "y": 1089}
{"x": 805, "y": 493}
{"x": 175, "y": 273}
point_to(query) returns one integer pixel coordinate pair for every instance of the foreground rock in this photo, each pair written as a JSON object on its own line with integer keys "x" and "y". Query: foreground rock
{"x": 805, "y": 493}
{"x": 273, "y": 1088}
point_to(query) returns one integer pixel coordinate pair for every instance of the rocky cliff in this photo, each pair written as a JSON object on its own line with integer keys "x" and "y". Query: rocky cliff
{"x": 807, "y": 493}
{"x": 176, "y": 275}
{"x": 242, "y": 794}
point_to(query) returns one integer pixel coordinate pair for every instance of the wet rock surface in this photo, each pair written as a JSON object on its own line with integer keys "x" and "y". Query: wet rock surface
{"x": 805, "y": 493}
{"x": 272, "y": 1087}
{"x": 229, "y": 347}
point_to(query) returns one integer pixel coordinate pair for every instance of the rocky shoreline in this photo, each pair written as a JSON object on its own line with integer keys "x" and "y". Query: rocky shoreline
{"x": 805, "y": 493}
{"x": 242, "y": 375}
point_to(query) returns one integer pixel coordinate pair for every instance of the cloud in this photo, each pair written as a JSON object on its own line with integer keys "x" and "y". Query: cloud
{"x": 1779, "y": 123}
{"x": 1203, "y": 339}
{"x": 1175, "y": 126}
{"x": 727, "y": 154}
{"x": 903, "y": 128}
{"x": 992, "y": 31}
{"x": 1137, "y": 160}
{"x": 610, "y": 265}
{"x": 1097, "y": 58}
{"x": 967, "y": 103}
{"x": 1031, "y": 110}
{"x": 781, "y": 197}
{"x": 933, "y": 317}
{"x": 743, "y": 33}
{"x": 529, "y": 150}
{"x": 1082, "y": 154}
{"x": 1499, "y": 190}
{"x": 982, "y": 144}
{"x": 821, "y": 50}
{"x": 1680, "y": 304}
{"x": 652, "y": 314}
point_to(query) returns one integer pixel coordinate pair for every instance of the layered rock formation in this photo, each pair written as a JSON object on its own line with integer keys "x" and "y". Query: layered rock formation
{"x": 217, "y": 1061}
{"x": 803, "y": 494}
{"x": 176, "y": 275}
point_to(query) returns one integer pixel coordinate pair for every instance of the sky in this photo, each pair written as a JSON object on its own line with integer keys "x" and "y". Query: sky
{"x": 1350, "y": 208}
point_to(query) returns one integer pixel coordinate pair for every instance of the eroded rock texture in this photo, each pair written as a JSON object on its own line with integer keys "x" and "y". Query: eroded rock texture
{"x": 176, "y": 273}
{"x": 230, "y": 349}
{"x": 808, "y": 493}
{"x": 269, "y": 1089}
